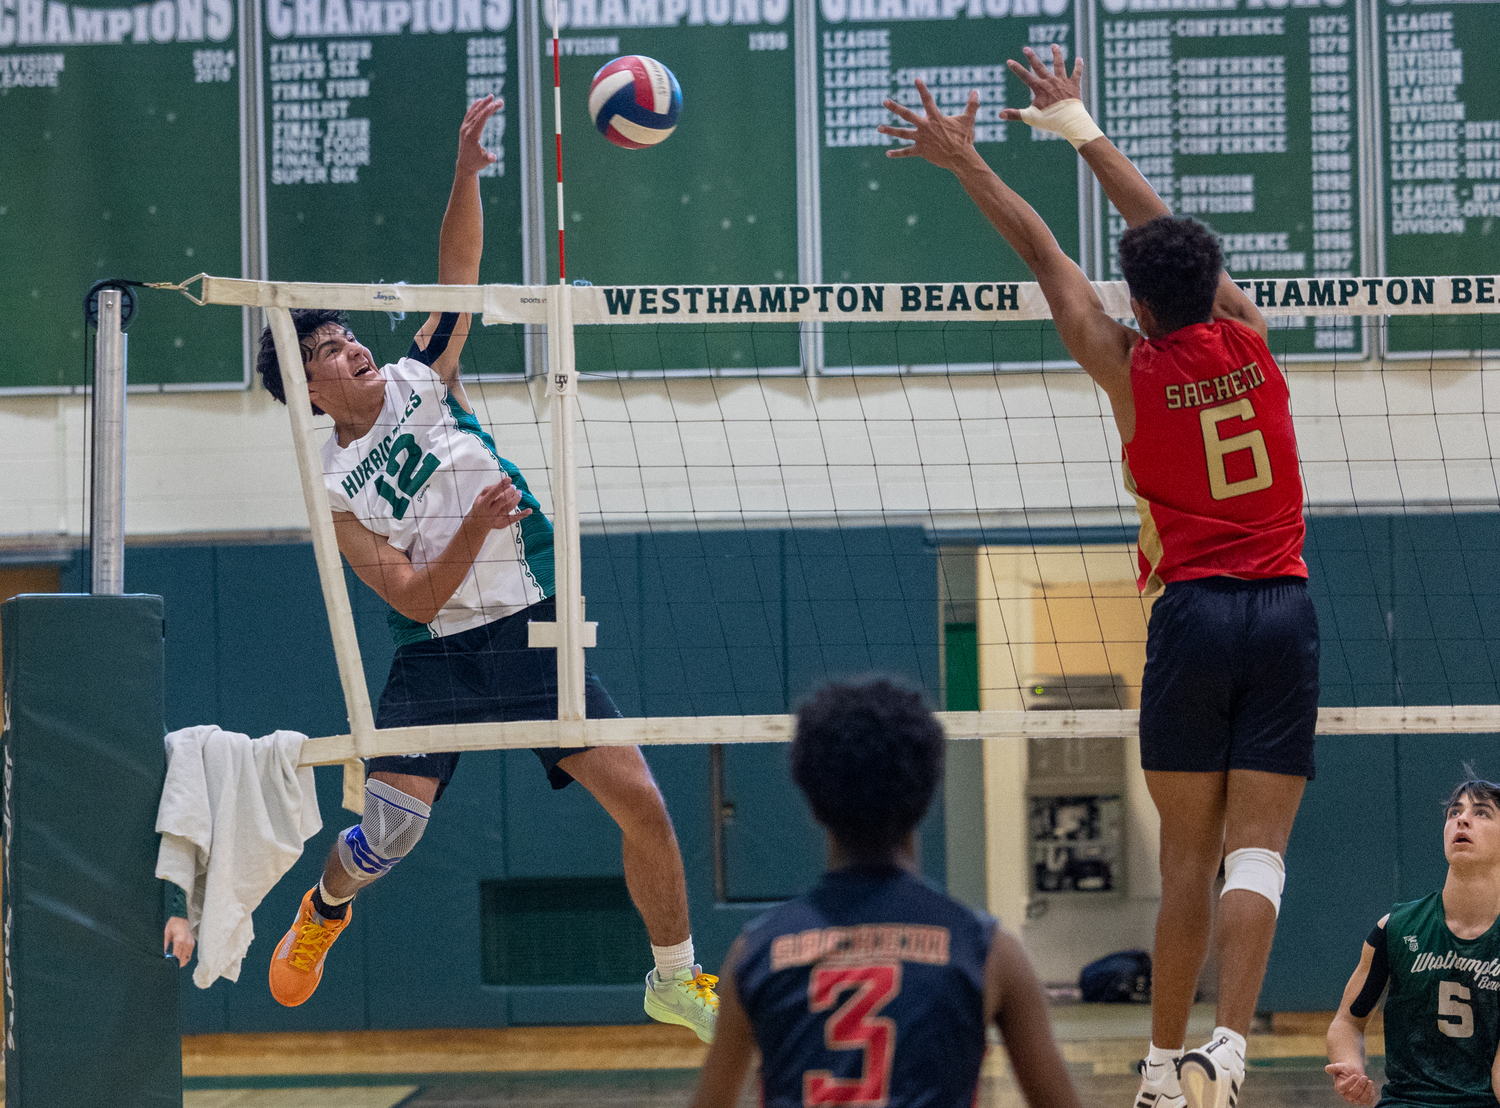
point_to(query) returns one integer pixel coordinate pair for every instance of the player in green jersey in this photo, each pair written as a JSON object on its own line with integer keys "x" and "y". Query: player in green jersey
{"x": 1441, "y": 957}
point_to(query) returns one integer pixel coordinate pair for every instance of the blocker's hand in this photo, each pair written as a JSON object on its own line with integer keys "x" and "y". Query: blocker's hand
{"x": 473, "y": 157}
{"x": 1351, "y": 1083}
{"x": 1048, "y": 86}
{"x": 944, "y": 140}
{"x": 498, "y": 505}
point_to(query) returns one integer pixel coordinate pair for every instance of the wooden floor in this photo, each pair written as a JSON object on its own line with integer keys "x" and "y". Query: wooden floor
{"x": 653, "y": 1066}
{"x": 509, "y": 1050}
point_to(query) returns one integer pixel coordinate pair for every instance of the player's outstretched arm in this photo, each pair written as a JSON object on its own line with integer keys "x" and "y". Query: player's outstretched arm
{"x": 419, "y": 594}
{"x": 1015, "y": 1003}
{"x": 1346, "y": 1037}
{"x": 461, "y": 240}
{"x": 1057, "y": 106}
{"x": 1096, "y": 341}
{"x": 734, "y": 1044}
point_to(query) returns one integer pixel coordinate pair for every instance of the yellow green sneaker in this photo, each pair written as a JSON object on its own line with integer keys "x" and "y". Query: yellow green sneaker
{"x": 688, "y": 1000}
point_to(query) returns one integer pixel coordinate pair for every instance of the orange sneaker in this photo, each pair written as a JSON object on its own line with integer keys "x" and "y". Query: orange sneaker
{"x": 297, "y": 965}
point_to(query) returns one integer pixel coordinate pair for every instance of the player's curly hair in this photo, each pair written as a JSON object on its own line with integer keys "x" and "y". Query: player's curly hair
{"x": 1474, "y": 787}
{"x": 868, "y": 757}
{"x": 1172, "y": 265}
{"x": 306, "y": 321}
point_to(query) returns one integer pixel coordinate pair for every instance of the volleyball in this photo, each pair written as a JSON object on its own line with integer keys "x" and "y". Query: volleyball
{"x": 634, "y": 101}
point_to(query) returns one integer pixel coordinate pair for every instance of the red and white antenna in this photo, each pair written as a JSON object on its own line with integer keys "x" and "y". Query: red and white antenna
{"x": 570, "y": 635}
{"x": 562, "y": 266}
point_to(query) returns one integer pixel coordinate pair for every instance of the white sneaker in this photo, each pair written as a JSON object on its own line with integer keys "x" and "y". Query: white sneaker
{"x": 1159, "y": 1088}
{"x": 687, "y": 1000}
{"x": 1211, "y": 1075}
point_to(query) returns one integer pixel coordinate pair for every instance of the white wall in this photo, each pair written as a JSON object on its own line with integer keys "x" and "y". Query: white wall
{"x": 945, "y": 451}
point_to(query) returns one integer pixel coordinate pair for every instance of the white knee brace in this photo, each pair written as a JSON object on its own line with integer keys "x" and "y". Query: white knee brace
{"x": 392, "y": 824}
{"x": 1257, "y": 870}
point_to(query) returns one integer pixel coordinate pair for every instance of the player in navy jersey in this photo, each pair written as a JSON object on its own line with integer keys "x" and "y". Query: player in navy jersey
{"x": 1230, "y": 689}
{"x": 445, "y": 530}
{"x": 875, "y": 989}
{"x": 1441, "y": 957}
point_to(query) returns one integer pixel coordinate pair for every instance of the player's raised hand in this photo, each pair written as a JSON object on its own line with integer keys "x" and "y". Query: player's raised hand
{"x": 472, "y": 157}
{"x": 1350, "y": 1082}
{"x": 498, "y": 505}
{"x": 944, "y": 140}
{"x": 1048, "y": 85}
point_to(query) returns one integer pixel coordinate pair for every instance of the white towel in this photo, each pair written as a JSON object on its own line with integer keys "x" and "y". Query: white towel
{"x": 234, "y": 814}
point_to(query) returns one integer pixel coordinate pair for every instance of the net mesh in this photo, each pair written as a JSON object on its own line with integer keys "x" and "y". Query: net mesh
{"x": 943, "y": 500}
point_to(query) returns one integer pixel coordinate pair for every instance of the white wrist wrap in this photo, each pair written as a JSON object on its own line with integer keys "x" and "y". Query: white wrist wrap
{"x": 1068, "y": 118}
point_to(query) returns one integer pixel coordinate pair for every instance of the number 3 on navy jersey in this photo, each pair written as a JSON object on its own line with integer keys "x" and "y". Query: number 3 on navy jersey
{"x": 1217, "y": 449}
{"x": 855, "y": 1025}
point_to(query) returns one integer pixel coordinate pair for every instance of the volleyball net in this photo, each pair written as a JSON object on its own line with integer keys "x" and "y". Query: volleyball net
{"x": 707, "y": 418}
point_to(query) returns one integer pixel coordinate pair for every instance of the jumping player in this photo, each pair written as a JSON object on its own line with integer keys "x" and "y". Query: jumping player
{"x": 1230, "y": 690}
{"x": 873, "y": 988}
{"x": 1440, "y": 956}
{"x": 432, "y": 518}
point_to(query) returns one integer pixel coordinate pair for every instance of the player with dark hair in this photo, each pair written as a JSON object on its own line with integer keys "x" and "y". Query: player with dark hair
{"x": 432, "y": 518}
{"x": 874, "y": 988}
{"x": 1441, "y": 958}
{"x": 1229, "y": 696}
{"x": 308, "y": 322}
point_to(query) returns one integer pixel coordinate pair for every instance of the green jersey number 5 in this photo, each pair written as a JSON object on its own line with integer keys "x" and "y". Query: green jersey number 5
{"x": 1455, "y": 1017}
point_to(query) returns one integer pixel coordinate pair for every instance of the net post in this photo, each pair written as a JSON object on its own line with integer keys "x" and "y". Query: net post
{"x": 569, "y": 634}
{"x": 326, "y": 552}
{"x": 107, "y": 499}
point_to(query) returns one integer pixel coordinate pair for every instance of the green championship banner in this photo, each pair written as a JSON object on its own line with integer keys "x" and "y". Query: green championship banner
{"x": 1439, "y": 129}
{"x": 119, "y": 158}
{"x": 361, "y": 101}
{"x": 1245, "y": 117}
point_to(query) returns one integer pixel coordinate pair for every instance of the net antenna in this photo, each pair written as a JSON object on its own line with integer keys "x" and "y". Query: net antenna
{"x": 1338, "y": 479}
{"x": 570, "y": 635}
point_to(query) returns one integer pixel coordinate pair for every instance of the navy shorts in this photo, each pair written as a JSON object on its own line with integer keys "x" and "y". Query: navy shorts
{"x": 483, "y": 675}
{"x": 1231, "y": 677}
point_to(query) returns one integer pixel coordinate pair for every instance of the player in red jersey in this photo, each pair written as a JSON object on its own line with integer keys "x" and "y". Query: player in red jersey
{"x": 1229, "y": 695}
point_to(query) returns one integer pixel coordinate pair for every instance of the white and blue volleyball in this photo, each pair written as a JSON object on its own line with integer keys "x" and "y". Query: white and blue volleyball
{"x": 634, "y": 101}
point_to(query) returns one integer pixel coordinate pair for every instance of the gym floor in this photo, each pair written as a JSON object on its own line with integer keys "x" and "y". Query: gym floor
{"x": 653, "y": 1066}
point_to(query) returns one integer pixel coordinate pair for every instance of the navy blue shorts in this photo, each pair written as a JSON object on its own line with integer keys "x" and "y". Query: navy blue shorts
{"x": 1231, "y": 677}
{"x": 484, "y": 675}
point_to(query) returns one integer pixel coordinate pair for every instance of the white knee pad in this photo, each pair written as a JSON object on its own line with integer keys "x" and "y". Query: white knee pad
{"x": 1257, "y": 870}
{"x": 392, "y": 824}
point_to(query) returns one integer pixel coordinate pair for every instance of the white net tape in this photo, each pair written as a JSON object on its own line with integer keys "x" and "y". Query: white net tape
{"x": 983, "y": 452}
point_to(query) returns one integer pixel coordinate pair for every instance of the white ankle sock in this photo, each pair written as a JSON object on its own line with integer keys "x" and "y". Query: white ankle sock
{"x": 671, "y": 960}
{"x": 1236, "y": 1040}
{"x": 329, "y": 899}
{"x": 1160, "y": 1056}
{"x": 1164, "y": 1062}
